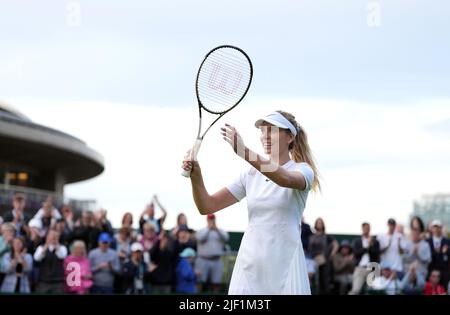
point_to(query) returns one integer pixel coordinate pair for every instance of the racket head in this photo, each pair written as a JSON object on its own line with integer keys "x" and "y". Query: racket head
{"x": 223, "y": 79}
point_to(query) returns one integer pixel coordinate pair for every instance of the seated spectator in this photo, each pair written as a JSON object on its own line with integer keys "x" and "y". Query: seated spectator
{"x": 387, "y": 283}
{"x": 78, "y": 262}
{"x": 104, "y": 265}
{"x": 17, "y": 265}
{"x": 440, "y": 252}
{"x": 163, "y": 262}
{"x": 149, "y": 215}
{"x": 413, "y": 282}
{"x": 136, "y": 272}
{"x": 433, "y": 287}
{"x": 186, "y": 278}
{"x": 343, "y": 267}
{"x": 50, "y": 258}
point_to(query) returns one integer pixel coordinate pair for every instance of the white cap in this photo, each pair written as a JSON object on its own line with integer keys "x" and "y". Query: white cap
{"x": 35, "y": 223}
{"x": 436, "y": 223}
{"x": 137, "y": 247}
{"x": 278, "y": 120}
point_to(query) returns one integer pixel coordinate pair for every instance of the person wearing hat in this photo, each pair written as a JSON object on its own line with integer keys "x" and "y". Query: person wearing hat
{"x": 183, "y": 240}
{"x": 440, "y": 252}
{"x": 343, "y": 267}
{"x": 136, "y": 272}
{"x": 186, "y": 278}
{"x": 210, "y": 243}
{"x": 104, "y": 264}
{"x": 276, "y": 188}
{"x": 392, "y": 247}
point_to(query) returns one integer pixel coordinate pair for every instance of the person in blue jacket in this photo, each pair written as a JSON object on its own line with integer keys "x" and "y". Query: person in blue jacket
{"x": 185, "y": 275}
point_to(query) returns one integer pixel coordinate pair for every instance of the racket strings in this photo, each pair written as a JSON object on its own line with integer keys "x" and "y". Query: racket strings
{"x": 223, "y": 79}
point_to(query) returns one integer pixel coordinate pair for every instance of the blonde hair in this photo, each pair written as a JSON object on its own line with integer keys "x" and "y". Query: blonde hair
{"x": 78, "y": 243}
{"x": 300, "y": 150}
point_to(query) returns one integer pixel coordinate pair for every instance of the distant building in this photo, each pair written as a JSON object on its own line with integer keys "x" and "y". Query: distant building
{"x": 39, "y": 161}
{"x": 431, "y": 207}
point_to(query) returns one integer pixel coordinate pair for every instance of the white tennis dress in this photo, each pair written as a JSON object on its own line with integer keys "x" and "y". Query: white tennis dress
{"x": 271, "y": 259}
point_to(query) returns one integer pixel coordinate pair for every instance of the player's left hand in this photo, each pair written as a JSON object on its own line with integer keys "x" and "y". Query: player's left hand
{"x": 232, "y": 136}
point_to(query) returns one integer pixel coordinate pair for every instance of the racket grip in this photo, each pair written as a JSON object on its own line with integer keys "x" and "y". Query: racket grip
{"x": 193, "y": 157}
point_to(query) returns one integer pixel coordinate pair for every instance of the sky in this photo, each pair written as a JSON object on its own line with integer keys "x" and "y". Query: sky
{"x": 368, "y": 80}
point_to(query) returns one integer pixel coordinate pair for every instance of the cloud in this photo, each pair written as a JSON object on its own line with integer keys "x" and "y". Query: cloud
{"x": 439, "y": 128}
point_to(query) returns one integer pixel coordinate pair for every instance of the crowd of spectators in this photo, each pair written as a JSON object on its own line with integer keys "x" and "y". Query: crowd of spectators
{"x": 56, "y": 251}
{"x": 396, "y": 262}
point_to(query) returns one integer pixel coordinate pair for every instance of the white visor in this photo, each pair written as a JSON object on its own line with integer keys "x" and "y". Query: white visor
{"x": 278, "y": 120}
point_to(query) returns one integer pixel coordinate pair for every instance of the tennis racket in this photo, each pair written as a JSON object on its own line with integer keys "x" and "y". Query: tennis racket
{"x": 223, "y": 80}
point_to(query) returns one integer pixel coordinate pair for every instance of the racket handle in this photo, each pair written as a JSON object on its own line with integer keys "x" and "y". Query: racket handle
{"x": 193, "y": 156}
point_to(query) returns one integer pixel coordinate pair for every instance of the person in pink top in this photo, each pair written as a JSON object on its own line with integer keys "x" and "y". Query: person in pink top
{"x": 77, "y": 270}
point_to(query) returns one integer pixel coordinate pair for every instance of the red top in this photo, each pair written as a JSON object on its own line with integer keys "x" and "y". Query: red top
{"x": 429, "y": 290}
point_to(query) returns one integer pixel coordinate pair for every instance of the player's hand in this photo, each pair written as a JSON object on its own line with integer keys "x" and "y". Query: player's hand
{"x": 189, "y": 164}
{"x": 232, "y": 136}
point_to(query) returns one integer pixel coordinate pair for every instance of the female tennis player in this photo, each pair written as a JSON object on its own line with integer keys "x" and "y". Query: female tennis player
{"x": 270, "y": 259}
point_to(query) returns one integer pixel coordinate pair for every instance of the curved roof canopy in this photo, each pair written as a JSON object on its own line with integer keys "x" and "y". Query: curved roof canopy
{"x": 23, "y": 142}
